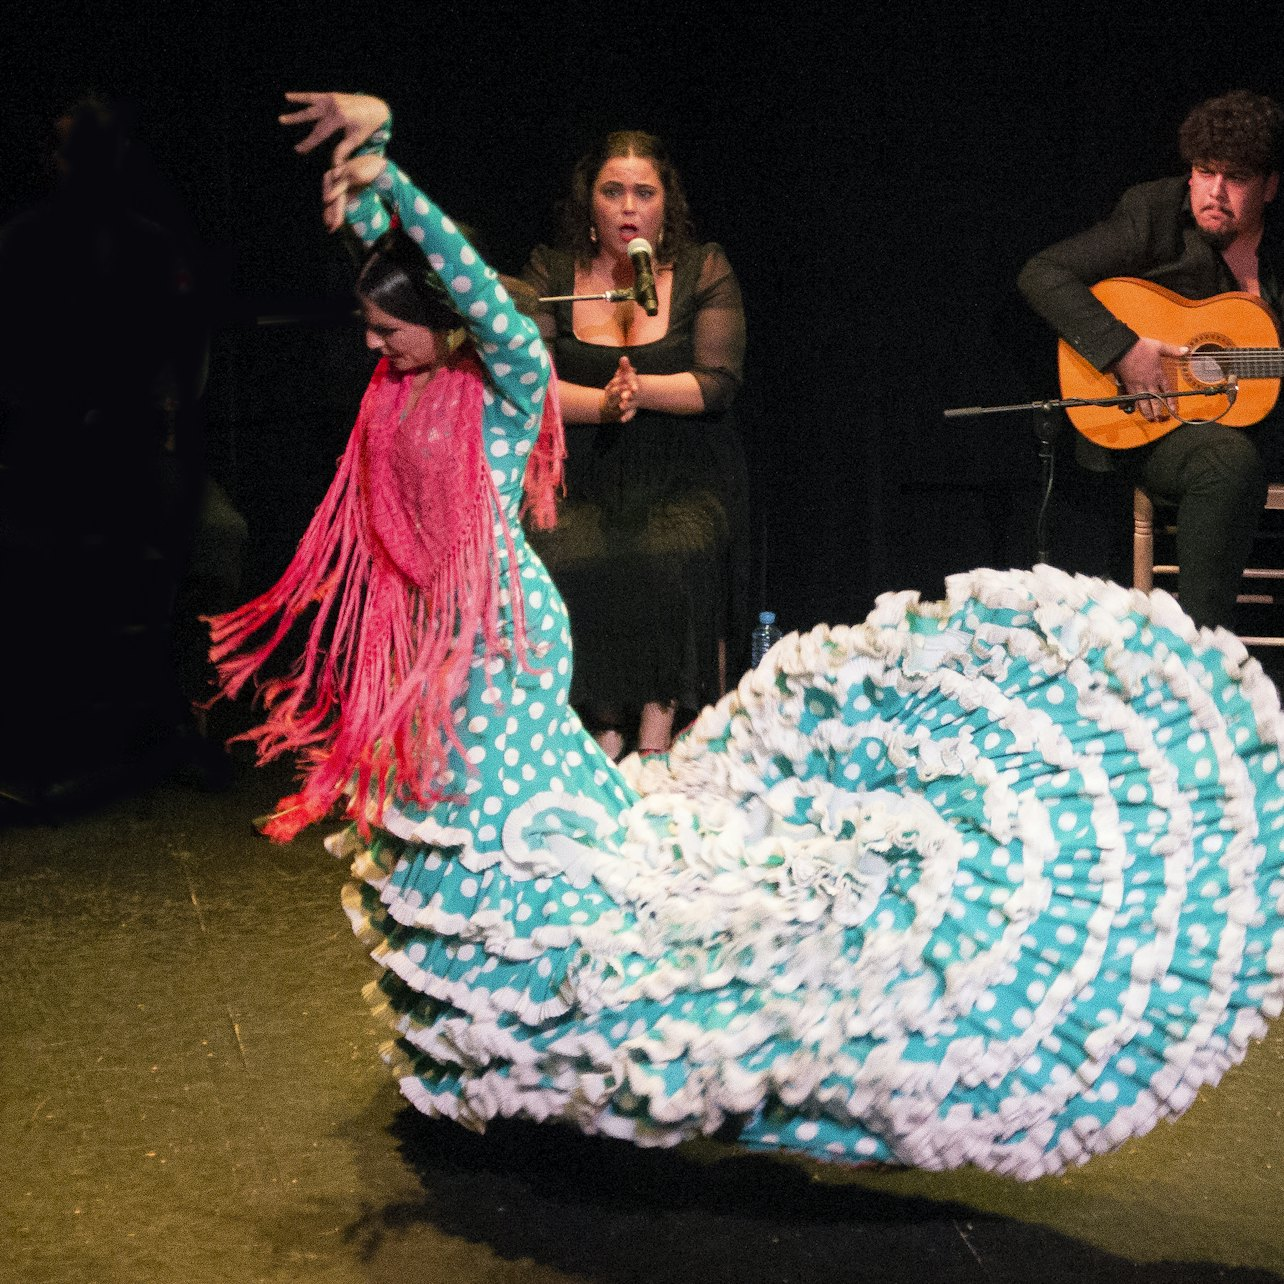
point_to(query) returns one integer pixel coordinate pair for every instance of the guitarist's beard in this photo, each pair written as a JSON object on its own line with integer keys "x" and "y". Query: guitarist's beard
{"x": 1218, "y": 240}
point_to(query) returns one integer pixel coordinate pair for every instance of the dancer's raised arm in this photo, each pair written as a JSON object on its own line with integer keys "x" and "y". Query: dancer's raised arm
{"x": 368, "y": 190}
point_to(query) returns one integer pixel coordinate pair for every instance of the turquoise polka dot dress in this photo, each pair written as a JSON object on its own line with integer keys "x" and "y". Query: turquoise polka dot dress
{"x": 995, "y": 880}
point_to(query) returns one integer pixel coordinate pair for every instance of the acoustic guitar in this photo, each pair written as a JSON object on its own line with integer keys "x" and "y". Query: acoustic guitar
{"x": 1229, "y": 334}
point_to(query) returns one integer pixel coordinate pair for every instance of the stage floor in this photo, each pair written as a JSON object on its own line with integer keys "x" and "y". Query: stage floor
{"x": 192, "y": 1092}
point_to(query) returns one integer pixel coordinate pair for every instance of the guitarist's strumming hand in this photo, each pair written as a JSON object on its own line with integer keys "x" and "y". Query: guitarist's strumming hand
{"x": 1147, "y": 367}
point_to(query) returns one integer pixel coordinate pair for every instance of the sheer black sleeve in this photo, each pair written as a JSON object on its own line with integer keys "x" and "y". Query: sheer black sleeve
{"x": 539, "y": 275}
{"x": 719, "y": 332}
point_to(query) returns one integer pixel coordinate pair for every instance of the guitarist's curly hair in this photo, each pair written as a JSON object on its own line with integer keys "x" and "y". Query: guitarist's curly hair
{"x": 1240, "y": 128}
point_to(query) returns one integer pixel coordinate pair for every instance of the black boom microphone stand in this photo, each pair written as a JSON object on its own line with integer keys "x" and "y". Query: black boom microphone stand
{"x": 1046, "y": 427}
{"x": 627, "y": 295}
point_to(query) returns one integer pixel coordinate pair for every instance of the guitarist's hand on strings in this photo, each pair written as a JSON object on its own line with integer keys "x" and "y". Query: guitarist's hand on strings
{"x": 1148, "y": 367}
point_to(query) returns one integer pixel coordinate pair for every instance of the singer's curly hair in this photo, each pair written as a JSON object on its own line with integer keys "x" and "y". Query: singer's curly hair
{"x": 576, "y": 211}
{"x": 1239, "y": 128}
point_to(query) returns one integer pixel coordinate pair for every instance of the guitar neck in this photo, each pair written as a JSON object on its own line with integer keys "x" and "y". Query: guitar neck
{"x": 1249, "y": 363}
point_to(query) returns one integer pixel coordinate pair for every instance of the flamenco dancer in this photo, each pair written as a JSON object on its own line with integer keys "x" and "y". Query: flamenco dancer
{"x": 994, "y": 880}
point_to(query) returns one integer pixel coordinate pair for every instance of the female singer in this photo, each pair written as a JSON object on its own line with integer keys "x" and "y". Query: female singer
{"x": 651, "y": 545}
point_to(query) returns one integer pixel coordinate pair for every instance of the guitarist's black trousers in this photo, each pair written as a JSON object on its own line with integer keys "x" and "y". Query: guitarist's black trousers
{"x": 1216, "y": 477}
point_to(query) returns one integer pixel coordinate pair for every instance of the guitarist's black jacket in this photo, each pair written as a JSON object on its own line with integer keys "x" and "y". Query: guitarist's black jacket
{"x": 1151, "y": 234}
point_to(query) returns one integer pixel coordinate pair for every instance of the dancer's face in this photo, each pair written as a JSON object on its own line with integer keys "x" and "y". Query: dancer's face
{"x": 407, "y": 346}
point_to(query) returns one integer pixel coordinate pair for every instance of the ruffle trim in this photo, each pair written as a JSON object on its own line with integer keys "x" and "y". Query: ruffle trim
{"x": 1073, "y": 755}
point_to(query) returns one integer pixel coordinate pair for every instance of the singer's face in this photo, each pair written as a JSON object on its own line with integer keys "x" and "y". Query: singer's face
{"x": 628, "y": 201}
{"x": 406, "y": 345}
{"x": 1228, "y": 202}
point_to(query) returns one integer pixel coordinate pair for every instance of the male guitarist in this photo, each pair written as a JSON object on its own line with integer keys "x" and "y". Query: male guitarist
{"x": 1199, "y": 235}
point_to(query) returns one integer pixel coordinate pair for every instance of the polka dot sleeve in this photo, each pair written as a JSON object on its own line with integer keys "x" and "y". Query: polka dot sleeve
{"x": 507, "y": 342}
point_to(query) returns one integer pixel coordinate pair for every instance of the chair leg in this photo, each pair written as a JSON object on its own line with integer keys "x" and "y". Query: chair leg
{"x": 1144, "y": 568}
{"x": 1143, "y": 541}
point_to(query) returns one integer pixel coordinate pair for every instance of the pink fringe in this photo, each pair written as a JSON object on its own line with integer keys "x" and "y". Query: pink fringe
{"x": 544, "y": 469}
{"x": 400, "y": 561}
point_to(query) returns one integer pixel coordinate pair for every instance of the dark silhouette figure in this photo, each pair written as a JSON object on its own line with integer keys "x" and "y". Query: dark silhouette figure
{"x": 100, "y": 478}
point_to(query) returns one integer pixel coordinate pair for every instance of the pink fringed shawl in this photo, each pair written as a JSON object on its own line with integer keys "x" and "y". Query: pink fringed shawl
{"x": 401, "y": 561}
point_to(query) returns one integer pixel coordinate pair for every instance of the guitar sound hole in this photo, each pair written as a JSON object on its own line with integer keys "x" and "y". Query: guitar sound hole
{"x": 1203, "y": 367}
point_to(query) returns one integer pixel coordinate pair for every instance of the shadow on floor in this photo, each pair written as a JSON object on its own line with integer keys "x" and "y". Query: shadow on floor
{"x": 607, "y": 1211}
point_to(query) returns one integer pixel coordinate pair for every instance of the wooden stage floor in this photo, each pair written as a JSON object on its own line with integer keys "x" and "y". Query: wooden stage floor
{"x": 191, "y": 1092}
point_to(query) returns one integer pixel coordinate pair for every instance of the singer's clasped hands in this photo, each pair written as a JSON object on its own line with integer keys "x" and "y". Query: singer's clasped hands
{"x": 620, "y": 396}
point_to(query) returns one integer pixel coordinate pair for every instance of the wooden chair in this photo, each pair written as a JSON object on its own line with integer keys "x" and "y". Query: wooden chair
{"x": 1257, "y": 588}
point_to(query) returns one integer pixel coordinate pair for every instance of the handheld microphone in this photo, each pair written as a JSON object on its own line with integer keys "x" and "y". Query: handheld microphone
{"x": 639, "y": 250}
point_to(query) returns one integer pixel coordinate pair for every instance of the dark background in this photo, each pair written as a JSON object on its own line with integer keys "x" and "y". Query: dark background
{"x": 877, "y": 179}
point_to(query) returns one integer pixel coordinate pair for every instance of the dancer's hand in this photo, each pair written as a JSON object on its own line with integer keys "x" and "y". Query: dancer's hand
{"x": 356, "y": 116}
{"x": 344, "y": 180}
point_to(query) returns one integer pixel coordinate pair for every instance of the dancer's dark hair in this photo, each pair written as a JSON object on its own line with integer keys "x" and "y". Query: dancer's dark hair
{"x": 396, "y": 277}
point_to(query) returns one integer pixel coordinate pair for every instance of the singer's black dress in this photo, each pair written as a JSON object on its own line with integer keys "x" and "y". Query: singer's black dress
{"x": 651, "y": 549}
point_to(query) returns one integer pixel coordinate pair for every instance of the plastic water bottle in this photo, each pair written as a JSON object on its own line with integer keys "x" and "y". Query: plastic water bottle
{"x": 765, "y": 635}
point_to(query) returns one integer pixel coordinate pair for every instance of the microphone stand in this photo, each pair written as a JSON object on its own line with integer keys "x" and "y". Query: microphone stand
{"x": 1046, "y": 429}
{"x": 627, "y": 295}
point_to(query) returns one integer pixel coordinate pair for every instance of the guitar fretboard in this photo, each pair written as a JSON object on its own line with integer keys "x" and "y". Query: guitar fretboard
{"x": 1247, "y": 363}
